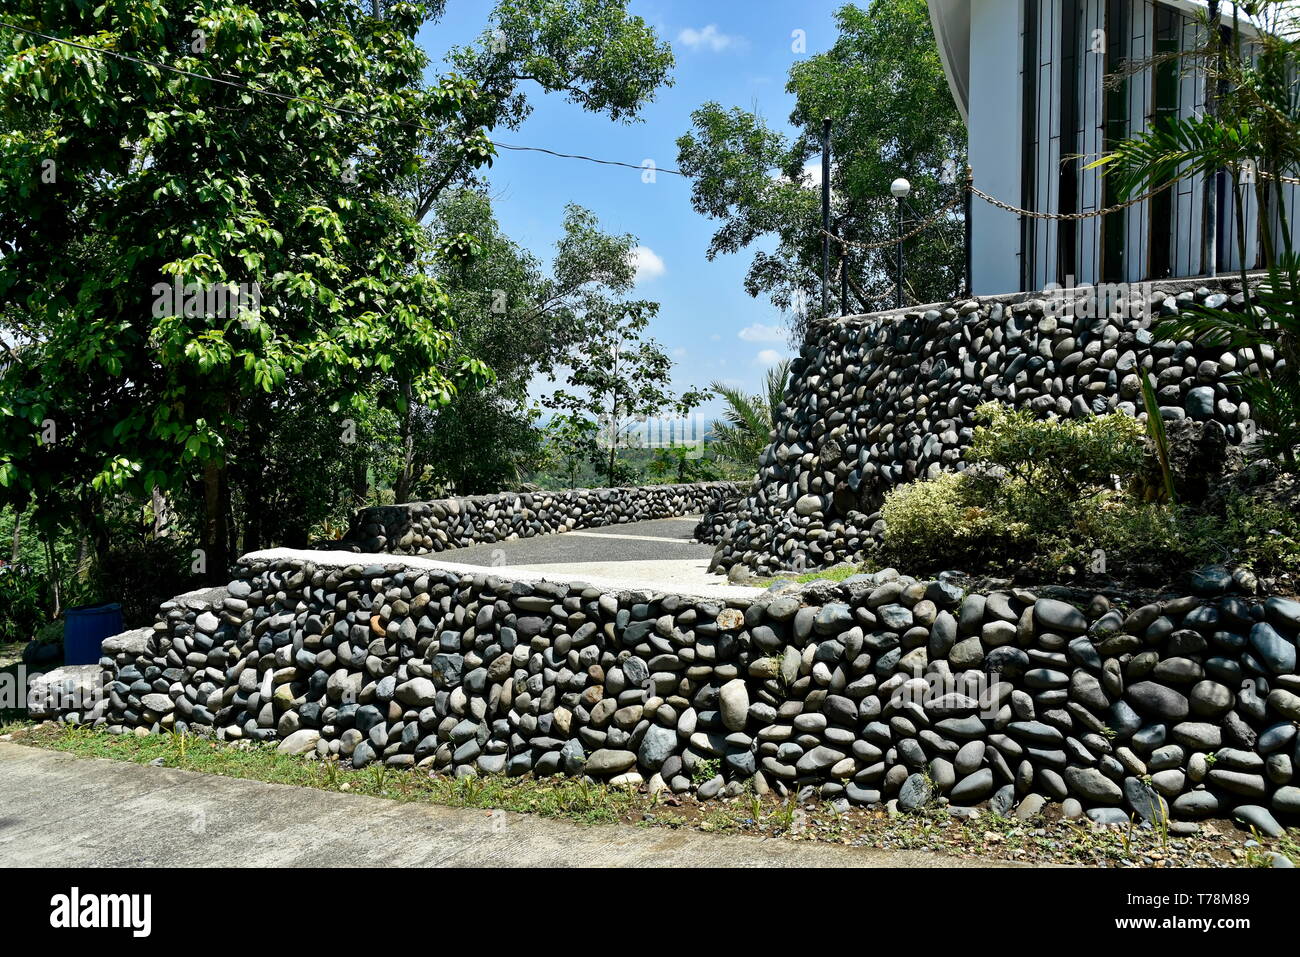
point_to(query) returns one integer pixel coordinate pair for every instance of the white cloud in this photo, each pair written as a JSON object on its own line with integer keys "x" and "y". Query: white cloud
{"x": 709, "y": 37}
{"x": 759, "y": 332}
{"x": 768, "y": 357}
{"x": 648, "y": 263}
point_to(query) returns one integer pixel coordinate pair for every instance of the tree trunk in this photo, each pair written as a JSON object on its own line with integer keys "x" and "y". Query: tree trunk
{"x": 402, "y": 489}
{"x": 360, "y": 481}
{"x": 254, "y": 500}
{"x": 162, "y": 513}
{"x": 56, "y": 589}
{"x": 216, "y": 545}
{"x": 18, "y": 538}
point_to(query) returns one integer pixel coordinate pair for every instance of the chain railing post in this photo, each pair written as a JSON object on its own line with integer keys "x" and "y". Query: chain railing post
{"x": 844, "y": 282}
{"x": 968, "y": 201}
{"x": 826, "y": 215}
{"x": 898, "y": 300}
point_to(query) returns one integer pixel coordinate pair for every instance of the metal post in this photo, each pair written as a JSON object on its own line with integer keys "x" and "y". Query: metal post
{"x": 826, "y": 215}
{"x": 844, "y": 281}
{"x": 970, "y": 232}
{"x": 1212, "y": 180}
{"x": 899, "y": 301}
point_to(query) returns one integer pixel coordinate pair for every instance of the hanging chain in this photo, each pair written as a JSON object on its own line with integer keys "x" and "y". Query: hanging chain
{"x": 1032, "y": 214}
{"x": 1029, "y": 213}
{"x": 939, "y": 214}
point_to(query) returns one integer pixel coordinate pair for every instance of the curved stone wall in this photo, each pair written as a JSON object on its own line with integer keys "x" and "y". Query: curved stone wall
{"x": 878, "y": 401}
{"x": 874, "y": 689}
{"x": 420, "y": 528}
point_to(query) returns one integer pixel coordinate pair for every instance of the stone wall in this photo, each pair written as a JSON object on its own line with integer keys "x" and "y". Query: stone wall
{"x": 878, "y": 401}
{"x": 875, "y": 689}
{"x": 423, "y": 527}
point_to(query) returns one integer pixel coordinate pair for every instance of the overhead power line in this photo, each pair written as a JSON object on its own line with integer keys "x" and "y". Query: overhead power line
{"x": 313, "y": 101}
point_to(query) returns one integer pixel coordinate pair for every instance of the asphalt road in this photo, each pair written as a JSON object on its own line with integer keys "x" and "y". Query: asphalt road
{"x": 65, "y": 811}
{"x": 655, "y": 540}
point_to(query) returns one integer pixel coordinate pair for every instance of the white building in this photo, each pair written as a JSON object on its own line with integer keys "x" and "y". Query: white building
{"x": 1027, "y": 77}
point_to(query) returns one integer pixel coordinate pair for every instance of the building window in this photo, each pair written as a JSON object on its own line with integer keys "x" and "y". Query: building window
{"x": 1165, "y": 82}
{"x": 1029, "y": 145}
{"x": 1116, "y": 123}
{"x": 1068, "y": 188}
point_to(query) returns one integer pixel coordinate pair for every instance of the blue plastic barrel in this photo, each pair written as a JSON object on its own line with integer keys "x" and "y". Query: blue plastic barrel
{"x": 84, "y": 630}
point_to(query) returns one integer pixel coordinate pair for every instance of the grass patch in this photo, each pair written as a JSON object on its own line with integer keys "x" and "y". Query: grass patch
{"x": 837, "y": 574}
{"x": 561, "y": 797}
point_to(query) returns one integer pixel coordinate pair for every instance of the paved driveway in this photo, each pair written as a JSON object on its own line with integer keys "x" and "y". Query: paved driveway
{"x": 115, "y": 813}
{"x": 657, "y": 540}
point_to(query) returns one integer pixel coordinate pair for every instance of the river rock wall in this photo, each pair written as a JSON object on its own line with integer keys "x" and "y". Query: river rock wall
{"x": 420, "y": 528}
{"x": 877, "y": 689}
{"x": 878, "y": 401}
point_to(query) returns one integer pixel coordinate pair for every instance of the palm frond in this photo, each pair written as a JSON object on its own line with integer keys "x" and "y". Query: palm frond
{"x": 1172, "y": 148}
{"x": 747, "y": 424}
{"x": 777, "y": 380}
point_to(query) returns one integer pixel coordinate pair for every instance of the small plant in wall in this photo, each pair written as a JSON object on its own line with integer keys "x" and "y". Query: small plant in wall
{"x": 706, "y": 769}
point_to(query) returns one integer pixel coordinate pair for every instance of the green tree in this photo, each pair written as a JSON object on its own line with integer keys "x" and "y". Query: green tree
{"x": 570, "y": 441}
{"x": 883, "y": 88}
{"x": 747, "y": 424}
{"x": 620, "y": 378}
{"x": 518, "y": 317}
{"x": 594, "y": 54}
{"x": 118, "y": 180}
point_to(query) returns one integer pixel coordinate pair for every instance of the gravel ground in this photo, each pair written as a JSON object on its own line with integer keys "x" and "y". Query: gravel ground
{"x": 1047, "y": 840}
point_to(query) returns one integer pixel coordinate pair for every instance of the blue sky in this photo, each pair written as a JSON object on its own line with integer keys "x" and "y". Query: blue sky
{"x": 737, "y": 53}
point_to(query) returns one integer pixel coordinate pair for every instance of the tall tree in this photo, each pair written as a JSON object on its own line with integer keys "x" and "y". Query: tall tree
{"x": 594, "y": 54}
{"x": 520, "y": 318}
{"x": 619, "y": 378}
{"x": 883, "y": 88}
{"x": 124, "y": 184}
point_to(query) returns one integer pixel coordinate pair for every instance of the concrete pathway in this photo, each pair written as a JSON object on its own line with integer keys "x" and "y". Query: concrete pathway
{"x": 655, "y": 555}
{"x": 661, "y": 551}
{"x": 658, "y": 539}
{"x": 65, "y": 811}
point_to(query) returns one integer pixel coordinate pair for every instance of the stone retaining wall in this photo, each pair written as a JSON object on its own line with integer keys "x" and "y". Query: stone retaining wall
{"x": 877, "y": 401}
{"x": 875, "y": 689}
{"x": 424, "y": 527}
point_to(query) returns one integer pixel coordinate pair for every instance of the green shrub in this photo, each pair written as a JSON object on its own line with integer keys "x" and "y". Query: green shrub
{"x": 24, "y": 603}
{"x": 1039, "y": 493}
{"x": 1059, "y": 460}
{"x": 947, "y": 521}
{"x": 1036, "y": 492}
{"x": 1044, "y": 496}
{"x": 1262, "y": 536}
